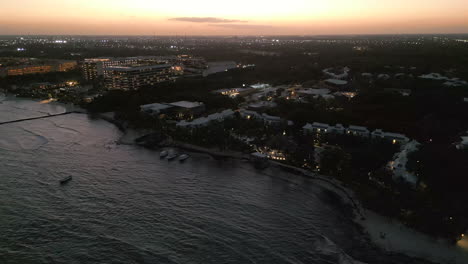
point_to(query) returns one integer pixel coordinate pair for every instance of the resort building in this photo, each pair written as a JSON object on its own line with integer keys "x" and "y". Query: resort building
{"x": 95, "y": 68}
{"x": 358, "y": 131}
{"x": 394, "y": 137}
{"x": 248, "y": 114}
{"x": 205, "y": 121}
{"x": 235, "y": 92}
{"x": 39, "y": 67}
{"x": 265, "y": 118}
{"x": 177, "y": 110}
{"x": 337, "y": 129}
{"x": 137, "y": 76}
{"x": 155, "y": 109}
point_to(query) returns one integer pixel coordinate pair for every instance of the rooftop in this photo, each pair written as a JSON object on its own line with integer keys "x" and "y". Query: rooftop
{"x": 156, "y": 107}
{"x": 336, "y": 81}
{"x": 186, "y": 104}
{"x": 358, "y": 128}
{"x": 138, "y": 67}
{"x": 311, "y": 91}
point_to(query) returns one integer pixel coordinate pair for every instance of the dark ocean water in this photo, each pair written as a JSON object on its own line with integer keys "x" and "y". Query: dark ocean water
{"x": 125, "y": 205}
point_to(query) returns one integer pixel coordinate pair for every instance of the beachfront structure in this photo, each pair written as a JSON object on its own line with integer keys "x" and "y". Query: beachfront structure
{"x": 358, "y": 131}
{"x": 265, "y": 118}
{"x": 155, "y": 108}
{"x": 317, "y": 128}
{"x": 205, "y": 121}
{"x": 321, "y": 128}
{"x": 248, "y": 114}
{"x": 394, "y": 137}
{"x": 337, "y": 129}
{"x": 178, "y": 110}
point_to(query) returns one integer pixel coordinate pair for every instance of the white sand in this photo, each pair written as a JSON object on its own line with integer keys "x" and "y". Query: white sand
{"x": 402, "y": 239}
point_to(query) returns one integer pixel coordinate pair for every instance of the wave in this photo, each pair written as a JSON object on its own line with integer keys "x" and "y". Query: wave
{"x": 41, "y": 141}
{"x": 331, "y": 253}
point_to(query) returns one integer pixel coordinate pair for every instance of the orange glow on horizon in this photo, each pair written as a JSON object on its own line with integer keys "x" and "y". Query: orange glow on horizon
{"x": 243, "y": 17}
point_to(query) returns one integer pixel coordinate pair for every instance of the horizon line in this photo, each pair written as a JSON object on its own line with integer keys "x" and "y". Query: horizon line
{"x": 232, "y": 35}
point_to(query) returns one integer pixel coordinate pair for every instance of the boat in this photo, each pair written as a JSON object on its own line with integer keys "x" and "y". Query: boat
{"x": 163, "y": 154}
{"x": 66, "y": 179}
{"x": 172, "y": 156}
{"x": 183, "y": 157}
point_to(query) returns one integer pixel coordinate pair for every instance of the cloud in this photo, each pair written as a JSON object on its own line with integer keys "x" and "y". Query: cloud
{"x": 242, "y": 26}
{"x": 206, "y": 20}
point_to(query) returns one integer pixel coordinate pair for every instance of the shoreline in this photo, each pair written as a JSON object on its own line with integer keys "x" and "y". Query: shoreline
{"x": 423, "y": 247}
{"x": 371, "y": 223}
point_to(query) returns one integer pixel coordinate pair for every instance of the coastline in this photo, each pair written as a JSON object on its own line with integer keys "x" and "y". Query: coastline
{"x": 422, "y": 246}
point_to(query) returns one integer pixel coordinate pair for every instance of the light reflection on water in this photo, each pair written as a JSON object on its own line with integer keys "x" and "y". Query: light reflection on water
{"x": 125, "y": 205}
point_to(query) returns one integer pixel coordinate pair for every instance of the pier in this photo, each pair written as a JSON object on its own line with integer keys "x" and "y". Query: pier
{"x": 39, "y": 117}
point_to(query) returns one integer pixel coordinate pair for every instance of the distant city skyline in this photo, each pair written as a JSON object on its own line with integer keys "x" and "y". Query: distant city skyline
{"x": 242, "y": 17}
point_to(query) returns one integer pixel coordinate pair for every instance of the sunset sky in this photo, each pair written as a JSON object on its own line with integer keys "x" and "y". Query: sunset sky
{"x": 240, "y": 17}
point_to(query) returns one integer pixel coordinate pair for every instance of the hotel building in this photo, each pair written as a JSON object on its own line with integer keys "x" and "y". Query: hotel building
{"x": 43, "y": 67}
{"x": 96, "y": 67}
{"x": 135, "y": 77}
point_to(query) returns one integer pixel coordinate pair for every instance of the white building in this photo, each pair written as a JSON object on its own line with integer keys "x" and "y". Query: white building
{"x": 260, "y": 86}
{"x": 271, "y": 120}
{"x": 316, "y": 93}
{"x": 394, "y": 137}
{"x": 155, "y": 108}
{"x": 358, "y": 131}
{"x": 338, "y": 129}
{"x": 205, "y": 121}
{"x": 316, "y": 127}
{"x": 311, "y": 91}
{"x": 336, "y": 82}
{"x": 267, "y": 119}
{"x": 248, "y": 114}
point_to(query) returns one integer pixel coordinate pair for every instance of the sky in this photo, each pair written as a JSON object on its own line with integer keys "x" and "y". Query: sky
{"x": 239, "y": 17}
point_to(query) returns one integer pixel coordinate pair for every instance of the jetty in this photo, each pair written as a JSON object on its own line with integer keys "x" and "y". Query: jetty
{"x": 39, "y": 117}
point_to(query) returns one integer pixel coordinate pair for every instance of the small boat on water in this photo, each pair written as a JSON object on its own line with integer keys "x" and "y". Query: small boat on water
{"x": 183, "y": 157}
{"x": 172, "y": 156}
{"x": 163, "y": 154}
{"x": 66, "y": 179}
